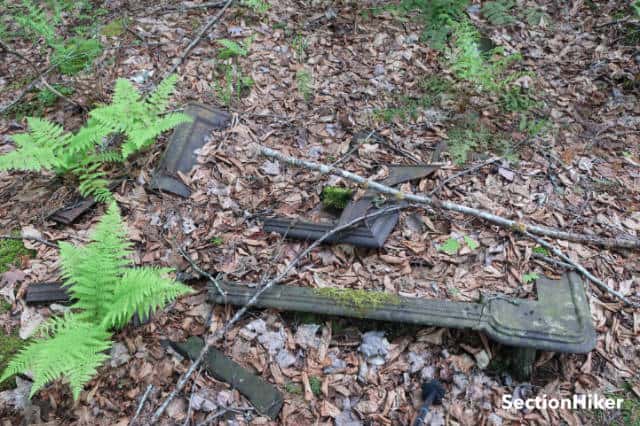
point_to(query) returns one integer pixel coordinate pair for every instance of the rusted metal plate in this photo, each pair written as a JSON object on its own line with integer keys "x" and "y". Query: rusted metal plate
{"x": 180, "y": 154}
{"x": 264, "y": 396}
{"x": 558, "y": 321}
{"x": 54, "y": 292}
{"x": 69, "y": 214}
{"x": 46, "y": 293}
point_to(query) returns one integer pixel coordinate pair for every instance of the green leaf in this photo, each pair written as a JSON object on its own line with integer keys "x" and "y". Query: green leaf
{"x": 451, "y": 246}
{"x": 471, "y": 243}
{"x": 541, "y": 250}
{"x": 531, "y": 276}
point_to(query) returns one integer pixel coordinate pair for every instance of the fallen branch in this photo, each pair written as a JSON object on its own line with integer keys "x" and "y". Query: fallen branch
{"x": 40, "y": 75}
{"x": 141, "y": 404}
{"x": 39, "y": 240}
{"x": 464, "y": 172}
{"x": 199, "y": 36}
{"x": 582, "y": 270}
{"x": 200, "y": 272}
{"x": 460, "y": 208}
{"x": 213, "y": 339}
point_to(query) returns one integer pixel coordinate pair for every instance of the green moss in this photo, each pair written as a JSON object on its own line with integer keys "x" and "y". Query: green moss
{"x": 11, "y": 253}
{"x": 114, "y": 28}
{"x": 10, "y": 344}
{"x": 336, "y": 198}
{"x": 362, "y": 300}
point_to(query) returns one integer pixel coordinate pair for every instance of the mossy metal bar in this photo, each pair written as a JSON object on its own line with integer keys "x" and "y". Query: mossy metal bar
{"x": 558, "y": 321}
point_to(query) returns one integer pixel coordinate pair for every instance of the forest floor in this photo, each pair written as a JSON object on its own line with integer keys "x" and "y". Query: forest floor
{"x": 324, "y": 74}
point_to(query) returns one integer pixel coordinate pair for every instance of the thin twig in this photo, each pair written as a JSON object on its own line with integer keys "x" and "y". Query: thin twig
{"x": 145, "y": 396}
{"x": 199, "y": 36}
{"x": 631, "y": 243}
{"x": 552, "y": 261}
{"x": 581, "y": 269}
{"x": 463, "y": 172}
{"x": 210, "y": 341}
{"x": 8, "y": 49}
{"x": 201, "y": 272}
{"x": 28, "y": 87}
{"x": 39, "y": 240}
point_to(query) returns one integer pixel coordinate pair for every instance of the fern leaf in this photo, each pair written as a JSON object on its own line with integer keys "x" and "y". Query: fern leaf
{"x": 51, "y": 358}
{"x": 140, "y": 291}
{"x": 92, "y": 272}
{"x": 142, "y": 137}
{"x": 38, "y": 149}
{"x": 159, "y": 99}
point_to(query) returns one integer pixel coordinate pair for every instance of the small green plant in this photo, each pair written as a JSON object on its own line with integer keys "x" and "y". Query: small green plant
{"x": 336, "y": 198}
{"x": 11, "y": 253}
{"x": 316, "y": 385}
{"x": 10, "y": 344}
{"x": 47, "y": 146}
{"x": 47, "y": 98}
{"x": 530, "y": 277}
{"x": 517, "y": 99}
{"x": 115, "y": 28}
{"x": 258, "y": 6}
{"x": 76, "y": 55}
{"x": 299, "y": 45}
{"x": 541, "y": 250}
{"x": 293, "y": 387}
{"x": 470, "y": 242}
{"x": 108, "y": 292}
{"x": 231, "y": 49}
{"x": 451, "y": 246}
{"x": 234, "y": 84}
{"x": 217, "y": 241}
{"x": 304, "y": 82}
{"x": 532, "y": 126}
{"x": 467, "y": 137}
{"x": 499, "y": 12}
{"x": 437, "y": 16}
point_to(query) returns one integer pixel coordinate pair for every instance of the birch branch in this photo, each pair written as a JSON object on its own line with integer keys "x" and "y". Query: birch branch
{"x": 282, "y": 275}
{"x": 630, "y": 243}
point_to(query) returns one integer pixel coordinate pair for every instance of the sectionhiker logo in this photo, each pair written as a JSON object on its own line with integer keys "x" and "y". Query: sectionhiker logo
{"x": 576, "y": 402}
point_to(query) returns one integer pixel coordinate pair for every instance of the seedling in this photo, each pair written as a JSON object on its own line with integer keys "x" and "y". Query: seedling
{"x": 530, "y": 277}
{"x": 304, "y": 81}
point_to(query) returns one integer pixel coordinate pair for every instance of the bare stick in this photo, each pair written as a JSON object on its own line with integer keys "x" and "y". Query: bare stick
{"x": 464, "y": 172}
{"x": 210, "y": 341}
{"x": 39, "y": 240}
{"x": 582, "y": 270}
{"x": 202, "y": 273}
{"x": 553, "y": 261}
{"x": 199, "y": 36}
{"x": 40, "y": 75}
{"x": 141, "y": 404}
{"x": 631, "y": 243}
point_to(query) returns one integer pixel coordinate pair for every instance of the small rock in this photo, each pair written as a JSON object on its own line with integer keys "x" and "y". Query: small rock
{"x": 416, "y": 362}
{"x": 336, "y": 364}
{"x": 428, "y": 373}
{"x": 306, "y": 336}
{"x": 375, "y": 347}
{"x": 460, "y": 383}
{"x": 482, "y": 359}
{"x": 285, "y": 359}
{"x": 30, "y": 319}
{"x": 378, "y": 70}
{"x": 273, "y": 341}
{"x": 203, "y": 401}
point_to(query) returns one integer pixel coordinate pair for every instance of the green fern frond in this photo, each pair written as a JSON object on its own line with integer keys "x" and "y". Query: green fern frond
{"x": 38, "y": 148}
{"x": 92, "y": 272}
{"x": 142, "y": 290}
{"x": 158, "y": 101}
{"x": 92, "y": 183}
{"x": 75, "y": 348}
{"x": 141, "y": 137}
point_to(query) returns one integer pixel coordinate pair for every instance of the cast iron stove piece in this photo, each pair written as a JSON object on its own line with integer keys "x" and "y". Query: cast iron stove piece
{"x": 558, "y": 321}
{"x": 180, "y": 154}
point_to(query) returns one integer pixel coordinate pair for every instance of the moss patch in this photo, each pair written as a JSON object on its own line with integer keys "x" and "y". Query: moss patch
{"x": 362, "y": 300}
{"x": 11, "y": 253}
{"x": 336, "y": 198}
{"x": 9, "y": 345}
